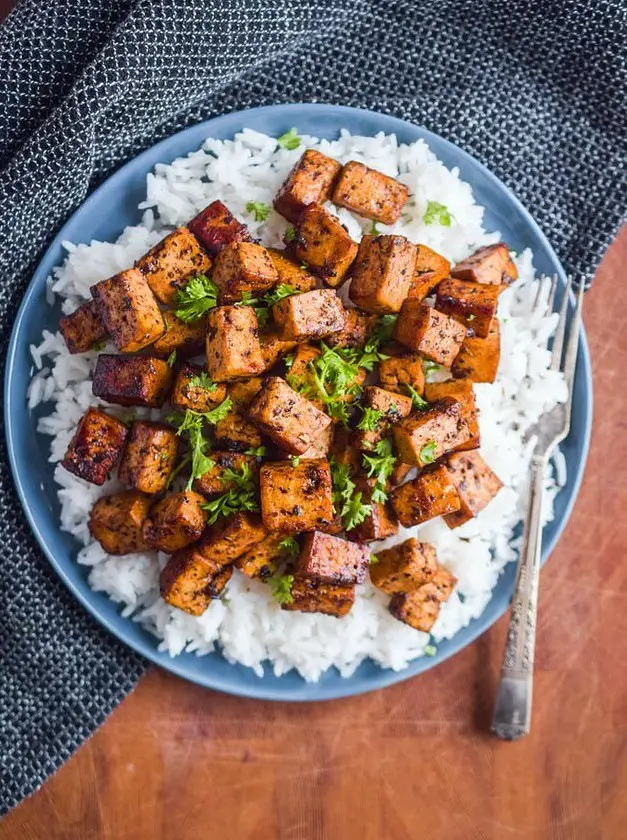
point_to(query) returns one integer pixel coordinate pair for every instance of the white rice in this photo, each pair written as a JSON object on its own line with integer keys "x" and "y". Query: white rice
{"x": 247, "y": 624}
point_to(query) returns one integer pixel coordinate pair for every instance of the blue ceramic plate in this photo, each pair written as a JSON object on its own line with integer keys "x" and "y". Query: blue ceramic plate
{"x": 103, "y": 216}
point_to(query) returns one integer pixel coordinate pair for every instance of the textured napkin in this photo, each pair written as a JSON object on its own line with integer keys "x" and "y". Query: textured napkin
{"x": 534, "y": 90}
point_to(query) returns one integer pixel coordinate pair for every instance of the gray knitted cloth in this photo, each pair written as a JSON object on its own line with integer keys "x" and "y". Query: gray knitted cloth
{"x": 534, "y": 90}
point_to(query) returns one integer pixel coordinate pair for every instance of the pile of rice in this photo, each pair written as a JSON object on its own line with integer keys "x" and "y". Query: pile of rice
{"x": 246, "y": 623}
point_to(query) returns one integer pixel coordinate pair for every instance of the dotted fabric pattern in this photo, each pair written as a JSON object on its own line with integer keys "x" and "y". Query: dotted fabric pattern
{"x": 536, "y": 91}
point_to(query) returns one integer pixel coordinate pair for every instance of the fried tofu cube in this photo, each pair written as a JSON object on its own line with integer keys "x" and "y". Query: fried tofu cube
{"x": 370, "y": 193}
{"x": 273, "y": 348}
{"x": 230, "y": 538}
{"x": 386, "y": 408}
{"x": 400, "y": 473}
{"x": 472, "y": 304}
{"x": 291, "y": 274}
{"x": 463, "y": 391}
{"x": 235, "y": 431}
{"x": 187, "y": 339}
{"x": 95, "y": 446}
{"x": 261, "y": 561}
{"x": 189, "y": 580}
{"x": 170, "y": 263}
{"x": 217, "y": 481}
{"x": 330, "y": 559}
{"x": 215, "y": 227}
{"x": 243, "y": 267}
{"x": 312, "y": 596}
{"x": 321, "y": 241}
{"x": 116, "y": 522}
{"x": 429, "y": 495}
{"x": 382, "y": 273}
{"x": 319, "y": 448}
{"x": 82, "y": 329}
{"x": 176, "y": 521}
{"x": 310, "y": 182}
{"x": 357, "y": 329}
{"x": 149, "y": 457}
{"x": 404, "y": 567}
{"x": 380, "y": 522}
{"x": 491, "y": 265}
{"x": 132, "y": 380}
{"x": 424, "y": 330}
{"x": 420, "y": 608}
{"x": 194, "y": 389}
{"x": 296, "y": 498}
{"x": 427, "y": 435}
{"x": 401, "y": 369}
{"x": 478, "y": 358}
{"x": 344, "y": 450}
{"x": 232, "y": 346}
{"x": 315, "y": 314}
{"x": 476, "y": 485}
{"x": 430, "y": 268}
{"x": 128, "y": 310}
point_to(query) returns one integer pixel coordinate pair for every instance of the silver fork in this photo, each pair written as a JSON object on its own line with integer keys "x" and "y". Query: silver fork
{"x": 512, "y": 711}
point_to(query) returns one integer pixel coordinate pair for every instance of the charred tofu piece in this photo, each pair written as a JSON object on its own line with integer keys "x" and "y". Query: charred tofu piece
{"x": 230, "y": 538}
{"x": 478, "y": 358}
{"x": 232, "y": 346}
{"x": 330, "y": 559}
{"x": 491, "y": 265}
{"x": 420, "y": 608}
{"x": 291, "y": 274}
{"x": 310, "y": 182}
{"x": 132, "y": 380}
{"x": 273, "y": 348}
{"x": 194, "y": 389}
{"x": 382, "y": 273}
{"x": 95, "y": 447}
{"x": 189, "y": 580}
{"x": 404, "y": 567}
{"x": 429, "y": 495}
{"x": 243, "y": 267}
{"x": 319, "y": 448}
{"x": 344, "y": 450}
{"x": 176, "y": 521}
{"x": 321, "y": 241}
{"x": 116, "y": 521}
{"x": 370, "y": 193}
{"x": 149, "y": 457}
{"x": 430, "y": 268}
{"x": 187, "y": 339}
{"x": 296, "y": 498}
{"x": 381, "y": 410}
{"x": 472, "y": 304}
{"x": 169, "y": 265}
{"x": 218, "y": 480}
{"x": 463, "y": 391}
{"x": 427, "y": 435}
{"x": 428, "y": 332}
{"x": 128, "y": 310}
{"x": 216, "y": 227}
{"x": 380, "y": 522}
{"x": 262, "y": 560}
{"x": 82, "y": 329}
{"x": 475, "y": 483}
{"x": 236, "y": 432}
{"x": 313, "y": 596}
{"x": 314, "y": 314}
{"x": 401, "y": 369}
{"x": 357, "y": 329}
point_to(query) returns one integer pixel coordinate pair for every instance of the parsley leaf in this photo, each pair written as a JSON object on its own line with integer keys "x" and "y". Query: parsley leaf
{"x": 430, "y": 650}
{"x": 432, "y": 367}
{"x": 289, "y": 547}
{"x": 290, "y": 234}
{"x": 295, "y": 460}
{"x": 382, "y": 333}
{"x": 97, "y": 346}
{"x": 283, "y": 290}
{"x": 262, "y": 304}
{"x": 427, "y": 453}
{"x": 172, "y": 359}
{"x": 416, "y": 400}
{"x": 373, "y": 560}
{"x": 374, "y": 230}
{"x": 259, "y": 452}
{"x": 199, "y": 295}
{"x": 347, "y": 503}
{"x": 202, "y": 380}
{"x": 259, "y": 210}
{"x": 332, "y": 378}
{"x": 290, "y": 140}
{"x": 281, "y": 586}
{"x": 242, "y": 496}
{"x": 288, "y": 361}
{"x": 191, "y": 423}
{"x": 380, "y": 466}
{"x": 370, "y": 420}
{"x": 437, "y": 213}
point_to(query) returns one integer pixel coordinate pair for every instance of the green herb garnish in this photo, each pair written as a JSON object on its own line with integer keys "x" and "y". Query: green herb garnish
{"x": 289, "y": 547}
{"x": 427, "y": 453}
{"x": 430, "y": 650}
{"x": 417, "y": 401}
{"x": 374, "y": 230}
{"x": 348, "y": 504}
{"x": 370, "y": 420}
{"x": 262, "y": 304}
{"x": 437, "y": 213}
{"x": 259, "y": 452}
{"x": 290, "y": 234}
{"x": 334, "y": 376}
{"x": 290, "y": 140}
{"x": 199, "y": 295}
{"x": 282, "y": 291}
{"x": 281, "y": 587}
{"x": 432, "y": 367}
{"x": 202, "y": 380}
{"x": 259, "y": 210}
{"x": 295, "y": 460}
{"x": 242, "y": 496}
{"x": 373, "y": 560}
{"x": 97, "y": 346}
{"x": 191, "y": 423}
{"x": 380, "y": 466}
{"x": 172, "y": 359}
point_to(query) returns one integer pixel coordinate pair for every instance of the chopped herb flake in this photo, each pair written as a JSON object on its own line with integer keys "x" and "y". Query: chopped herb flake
{"x": 172, "y": 359}
{"x": 370, "y": 420}
{"x": 437, "y": 213}
{"x": 259, "y": 210}
{"x": 348, "y": 504}
{"x": 204, "y": 381}
{"x": 427, "y": 453}
{"x": 281, "y": 587}
{"x": 290, "y": 140}
{"x": 198, "y": 296}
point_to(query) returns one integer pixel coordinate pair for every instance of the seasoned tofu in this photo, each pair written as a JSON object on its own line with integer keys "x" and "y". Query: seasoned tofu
{"x": 296, "y": 498}
{"x": 420, "y": 608}
{"x": 243, "y": 267}
{"x": 311, "y": 596}
{"x": 291, "y": 274}
{"x": 215, "y": 227}
{"x": 462, "y": 390}
{"x": 232, "y": 345}
{"x": 172, "y": 262}
{"x": 230, "y": 538}
{"x": 187, "y": 339}
{"x": 319, "y": 448}
{"x": 427, "y": 435}
{"x": 370, "y": 193}
{"x": 132, "y": 380}
{"x": 382, "y": 272}
{"x": 262, "y": 559}
{"x": 330, "y": 559}
{"x": 273, "y": 348}
{"x": 189, "y": 580}
{"x": 216, "y": 480}
{"x": 128, "y": 310}
{"x": 194, "y": 389}
{"x": 472, "y": 304}
{"x": 95, "y": 446}
{"x": 401, "y": 369}
{"x": 116, "y": 521}
{"x": 404, "y": 567}
{"x": 310, "y": 182}
{"x": 315, "y": 314}
{"x": 380, "y": 522}
{"x": 475, "y": 483}
{"x": 400, "y": 473}
{"x": 429, "y": 495}
{"x": 149, "y": 457}
{"x": 321, "y": 241}
{"x": 82, "y": 329}
{"x": 478, "y": 358}
{"x": 424, "y": 330}
{"x": 344, "y": 450}
{"x": 357, "y": 329}
{"x": 176, "y": 521}
{"x": 430, "y": 268}
{"x": 392, "y": 407}
{"x": 491, "y": 265}
{"x": 236, "y": 432}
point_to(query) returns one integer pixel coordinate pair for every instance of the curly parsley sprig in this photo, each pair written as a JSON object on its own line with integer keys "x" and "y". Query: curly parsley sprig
{"x": 191, "y": 424}
{"x": 241, "y": 496}
{"x": 380, "y": 466}
{"x": 348, "y": 504}
{"x": 198, "y": 296}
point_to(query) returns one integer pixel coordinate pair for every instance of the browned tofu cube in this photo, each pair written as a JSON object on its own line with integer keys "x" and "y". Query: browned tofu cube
{"x": 313, "y": 596}
{"x": 478, "y": 358}
{"x": 370, "y": 193}
{"x": 463, "y": 391}
{"x": 330, "y": 559}
{"x": 217, "y": 481}
{"x": 491, "y": 265}
{"x": 444, "y": 583}
{"x": 149, "y": 457}
{"x": 236, "y": 432}
{"x": 273, "y": 348}
{"x": 310, "y": 182}
{"x": 404, "y": 567}
{"x": 296, "y": 498}
{"x": 420, "y": 608}
{"x": 319, "y": 448}
{"x": 429, "y": 495}
{"x": 189, "y": 580}
{"x": 128, "y": 310}
{"x": 426, "y": 331}
{"x": 343, "y": 449}
{"x": 430, "y": 268}
{"x": 382, "y": 273}
{"x": 172, "y": 262}
{"x": 95, "y": 447}
{"x": 194, "y": 389}
{"x": 322, "y": 242}
{"x": 176, "y": 521}
{"x": 215, "y": 227}
{"x": 82, "y": 329}
{"x": 229, "y": 538}
{"x": 261, "y": 561}
{"x": 401, "y": 369}
{"x": 357, "y": 329}
{"x": 472, "y": 304}
{"x": 380, "y": 522}
{"x": 400, "y": 473}
{"x": 243, "y": 267}
{"x": 291, "y": 274}
{"x": 116, "y": 522}
{"x": 232, "y": 346}
{"x": 386, "y": 408}
{"x": 132, "y": 380}
{"x": 187, "y": 339}
{"x": 309, "y": 315}
{"x": 427, "y": 435}
{"x": 475, "y": 483}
